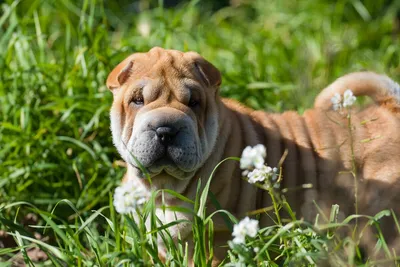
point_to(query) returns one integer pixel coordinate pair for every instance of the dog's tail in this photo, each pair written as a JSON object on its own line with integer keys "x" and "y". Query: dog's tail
{"x": 383, "y": 90}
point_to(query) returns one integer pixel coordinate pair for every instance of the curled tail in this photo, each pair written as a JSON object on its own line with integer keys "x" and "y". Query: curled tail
{"x": 383, "y": 90}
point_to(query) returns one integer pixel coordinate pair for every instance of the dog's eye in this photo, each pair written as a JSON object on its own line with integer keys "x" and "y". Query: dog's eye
{"x": 193, "y": 103}
{"x": 138, "y": 101}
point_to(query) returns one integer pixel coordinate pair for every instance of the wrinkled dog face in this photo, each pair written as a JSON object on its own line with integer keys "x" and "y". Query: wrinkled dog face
{"x": 165, "y": 111}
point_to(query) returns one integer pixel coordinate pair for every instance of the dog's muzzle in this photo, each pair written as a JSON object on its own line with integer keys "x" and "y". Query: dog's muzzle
{"x": 162, "y": 141}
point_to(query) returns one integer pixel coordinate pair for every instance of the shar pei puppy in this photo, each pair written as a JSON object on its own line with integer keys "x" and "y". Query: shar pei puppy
{"x": 167, "y": 114}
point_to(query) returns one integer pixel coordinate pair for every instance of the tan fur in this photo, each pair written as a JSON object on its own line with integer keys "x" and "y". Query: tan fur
{"x": 318, "y": 142}
{"x": 380, "y": 88}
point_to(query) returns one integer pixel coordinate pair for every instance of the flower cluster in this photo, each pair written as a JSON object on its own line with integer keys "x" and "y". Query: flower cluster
{"x": 261, "y": 174}
{"x": 348, "y": 100}
{"x": 253, "y": 157}
{"x": 246, "y": 227}
{"x": 252, "y": 162}
{"x": 129, "y": 196}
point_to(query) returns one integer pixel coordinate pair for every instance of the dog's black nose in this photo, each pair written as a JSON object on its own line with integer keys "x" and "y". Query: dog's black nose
{"x": 166, "y": 134}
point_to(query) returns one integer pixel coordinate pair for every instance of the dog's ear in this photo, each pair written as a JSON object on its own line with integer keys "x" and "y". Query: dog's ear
{"x": 120, "y": 74}
{"x": 207, "y": 71}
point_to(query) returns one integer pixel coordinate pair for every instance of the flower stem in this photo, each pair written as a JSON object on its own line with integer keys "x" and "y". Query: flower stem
{"x": 275, "y": 204}
{"x": 353, "y": 163}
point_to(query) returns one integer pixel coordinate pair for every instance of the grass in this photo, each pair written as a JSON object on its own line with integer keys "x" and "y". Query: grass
{"x": 56, "y": 155}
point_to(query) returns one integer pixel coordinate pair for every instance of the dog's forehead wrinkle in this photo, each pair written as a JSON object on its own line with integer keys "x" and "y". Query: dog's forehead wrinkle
{"x": 195, "y": 89}
{"x": 136, "y": 86}
{"x": 171, "y": 90}
{"x": 143, "y": 82}
{"x": 167, "y": 63}
{"x": 167, "y": 68}
{"x": 172, "y": 61}
{"x": 152, "y": 91}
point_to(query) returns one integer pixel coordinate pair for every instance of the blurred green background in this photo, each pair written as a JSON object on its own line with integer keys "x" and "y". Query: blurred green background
{"x": 55, "y": 141}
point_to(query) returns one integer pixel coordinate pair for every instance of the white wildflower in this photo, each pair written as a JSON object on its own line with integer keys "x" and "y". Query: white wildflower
{"x": 336, "y": 101}
{"x": 246, "y": 227}
{"x": 348, "y": 98}
{"x": 144, "y": 28}
{"x": 263, "y": 174}
{"x": 259, "y": 175}
{"x": 256, "y": 249}
{"x": 347, "y": 101}
{"x": 253, "y": 157}
{"x": 129, "y": 196}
